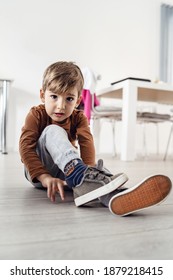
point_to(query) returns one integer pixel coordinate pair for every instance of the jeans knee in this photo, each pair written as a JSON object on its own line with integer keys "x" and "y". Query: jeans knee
{"x": 53, "y": 129}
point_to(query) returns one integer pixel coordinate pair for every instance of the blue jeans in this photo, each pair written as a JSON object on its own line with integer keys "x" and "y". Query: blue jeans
{"x": 55, "y": 151}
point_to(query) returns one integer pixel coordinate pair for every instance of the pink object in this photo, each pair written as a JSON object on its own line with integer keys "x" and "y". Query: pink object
{"x": 87, "y": 102}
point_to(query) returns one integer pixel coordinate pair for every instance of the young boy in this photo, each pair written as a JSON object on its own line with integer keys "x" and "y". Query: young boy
{"x": 51, "y": 158}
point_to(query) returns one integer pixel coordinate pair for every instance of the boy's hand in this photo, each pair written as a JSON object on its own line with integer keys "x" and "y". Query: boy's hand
{"x": 53, "y": 186}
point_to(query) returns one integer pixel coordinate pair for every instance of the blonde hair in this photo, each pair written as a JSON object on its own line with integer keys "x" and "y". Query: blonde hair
{"x": 62, "y": 76}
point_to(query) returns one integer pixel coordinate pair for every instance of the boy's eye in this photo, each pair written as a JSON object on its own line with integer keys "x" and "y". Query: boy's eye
{"x": 70, "y": 98}
{"x": 53, "y": 96}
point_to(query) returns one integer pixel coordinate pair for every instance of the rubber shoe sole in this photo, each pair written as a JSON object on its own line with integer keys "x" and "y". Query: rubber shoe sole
{"x": 151, "y": 191}
{"x": 111, "y": 186}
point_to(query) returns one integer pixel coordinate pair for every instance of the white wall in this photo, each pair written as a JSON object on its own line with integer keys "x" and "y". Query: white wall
{"x": 117, "y": 38}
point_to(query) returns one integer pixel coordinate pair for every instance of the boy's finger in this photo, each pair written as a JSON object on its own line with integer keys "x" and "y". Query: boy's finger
{"x": 49, "y": 192}
{"x": 53, "y": 197}
{"x": 53, "y": 192}
{"x": 61, "y": 192}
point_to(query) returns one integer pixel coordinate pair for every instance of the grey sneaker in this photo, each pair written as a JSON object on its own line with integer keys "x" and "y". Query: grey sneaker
{"x": 151, "y": 191}
{"x": 97, "y": 181}
{"x": 107, "y": 197}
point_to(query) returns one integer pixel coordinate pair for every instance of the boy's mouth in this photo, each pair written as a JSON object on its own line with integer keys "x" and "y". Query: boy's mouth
{"x": 59, "y": 114}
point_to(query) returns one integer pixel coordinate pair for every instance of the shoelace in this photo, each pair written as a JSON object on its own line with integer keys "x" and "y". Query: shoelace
{"x": 98, "y": 173}
{"x": 94, "y": 174}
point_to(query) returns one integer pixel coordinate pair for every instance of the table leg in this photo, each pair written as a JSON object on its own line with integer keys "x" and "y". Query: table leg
{"x": 1, "y": 118}
{"x": 4, "y": 116}
{"x": 129, "y": 122}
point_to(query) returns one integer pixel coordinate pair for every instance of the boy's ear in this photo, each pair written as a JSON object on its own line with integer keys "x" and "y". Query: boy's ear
{"x": 42, "y": 95}
{"x": 78, "y": 101}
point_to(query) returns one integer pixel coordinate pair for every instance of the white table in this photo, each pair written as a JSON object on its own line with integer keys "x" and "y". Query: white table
{"x": 4, "y": 88}
{"x": 131, "y": 91}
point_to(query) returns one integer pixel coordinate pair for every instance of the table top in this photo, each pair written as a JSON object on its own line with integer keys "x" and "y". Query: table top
{"x": 147, "y": 91}
{"x": 5, "y": 80}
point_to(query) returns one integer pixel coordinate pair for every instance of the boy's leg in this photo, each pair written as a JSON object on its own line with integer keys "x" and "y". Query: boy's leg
{"x": 55, "y": 150}
{"x": 88, "y": 183}
{"x": 37, "y": 185}
{"x": 151, "y": 191}
{"x": 47, "y": 161}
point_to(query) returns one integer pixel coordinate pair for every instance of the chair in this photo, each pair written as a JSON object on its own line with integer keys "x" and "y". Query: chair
{"x": 96, "y": 113}
{"x": 143, "y": 118}
{"x": 169, "y": 137}
{"x": 101, "y": 114}
{"x": 152, "y": 118}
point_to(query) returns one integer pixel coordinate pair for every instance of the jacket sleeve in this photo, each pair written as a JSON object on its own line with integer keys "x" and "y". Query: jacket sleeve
{"x": 30, "y": 134}
{"x": 85, "y": 140}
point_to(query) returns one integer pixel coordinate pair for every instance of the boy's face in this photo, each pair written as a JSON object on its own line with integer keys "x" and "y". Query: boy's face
{"x": 60, "y": 106}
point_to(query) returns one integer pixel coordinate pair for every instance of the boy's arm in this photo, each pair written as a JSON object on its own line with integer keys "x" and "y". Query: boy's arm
{"x": 53, "y": 186}
{"x": 85, "y": 140}
{"x": 31, "y": 131}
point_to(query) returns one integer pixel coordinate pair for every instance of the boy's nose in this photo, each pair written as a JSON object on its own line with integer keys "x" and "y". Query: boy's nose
{"x": 61, "y": 104}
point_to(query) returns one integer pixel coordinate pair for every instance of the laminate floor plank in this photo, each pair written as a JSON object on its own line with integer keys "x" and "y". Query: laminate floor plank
{"x": 34, "y": 228}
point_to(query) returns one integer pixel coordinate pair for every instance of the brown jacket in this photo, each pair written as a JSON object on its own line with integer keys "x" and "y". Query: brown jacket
{"x": 37, "y": 119}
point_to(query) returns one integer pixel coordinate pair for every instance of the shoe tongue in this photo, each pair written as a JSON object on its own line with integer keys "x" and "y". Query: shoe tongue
{"x": 100, "y": 165}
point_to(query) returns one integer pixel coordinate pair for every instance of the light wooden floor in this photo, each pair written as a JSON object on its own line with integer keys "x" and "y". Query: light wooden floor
{"x": 31, "y": 227}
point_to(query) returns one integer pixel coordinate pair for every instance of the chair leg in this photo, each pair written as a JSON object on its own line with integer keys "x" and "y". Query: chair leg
{"x": 169, "y": 139}
{"x": 95, "y": 130}
{"x": 113, "y": 135}
{"x": 144, "y": 140}
{"x": 157, "y": 137}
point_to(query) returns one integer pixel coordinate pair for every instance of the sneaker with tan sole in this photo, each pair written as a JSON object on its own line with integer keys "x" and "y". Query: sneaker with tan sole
{"x": 97, "y": 181}
{"x": 107, "y": 197}
{"x": 151, "y": 191}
